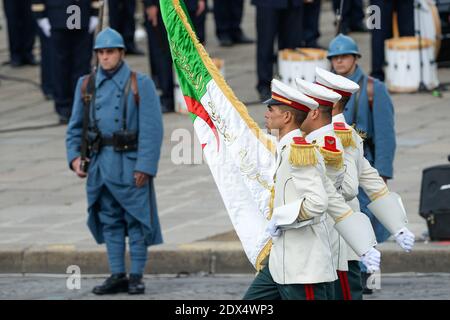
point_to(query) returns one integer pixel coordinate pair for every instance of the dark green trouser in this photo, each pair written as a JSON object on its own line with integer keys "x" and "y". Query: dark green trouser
{"x": 348, "y": 286}
{"x": 264, "y": 288}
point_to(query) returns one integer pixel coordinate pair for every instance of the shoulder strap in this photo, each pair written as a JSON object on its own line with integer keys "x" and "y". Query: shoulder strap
{"x": 370, "y": 91}
{"x": 356, "y": 102}
{"x": 88, "y": 95}
{"x": 84, "y": 89}
{"x": 135, "y": 88}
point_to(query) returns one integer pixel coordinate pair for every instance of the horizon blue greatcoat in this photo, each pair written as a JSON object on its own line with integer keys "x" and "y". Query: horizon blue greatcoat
{"x": 115, "y": 170}
{"x": 378, "y": 124}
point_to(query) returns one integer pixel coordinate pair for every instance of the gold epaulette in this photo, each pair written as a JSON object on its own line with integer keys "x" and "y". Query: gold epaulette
{"x": 302, "y": 153}
{"x": 346, "y": 138}
{"x": 344, "y": 134}
{"x": 361, "y": 133}
{"x": 332, "y": 156}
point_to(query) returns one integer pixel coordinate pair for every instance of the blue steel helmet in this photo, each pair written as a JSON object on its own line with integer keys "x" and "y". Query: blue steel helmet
{"x": 342, "y": 44}
{"x": 109, "y": 38}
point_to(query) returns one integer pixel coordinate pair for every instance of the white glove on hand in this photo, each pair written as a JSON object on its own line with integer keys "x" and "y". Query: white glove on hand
{"x": 371, "y": 260}
{"x": 45, "y": 26}
{"x": 272, "y": 228}
{"x": 93, "y": 22}
{"x": 405, "y": 239}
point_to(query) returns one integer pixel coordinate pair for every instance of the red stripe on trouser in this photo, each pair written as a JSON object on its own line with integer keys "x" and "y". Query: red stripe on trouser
{"x": 345, "y": 286}
{"x": 341, "y": 281}
{"x": 349, "y": 293}
{"x": 309, "y": 290}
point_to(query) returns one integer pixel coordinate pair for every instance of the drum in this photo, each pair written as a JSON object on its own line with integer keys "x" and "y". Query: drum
{"x": 403, "y": 73}
{"x": 180, "y": 104}
{"x": 427, "y": 22}
{"x": 300, "y": 63}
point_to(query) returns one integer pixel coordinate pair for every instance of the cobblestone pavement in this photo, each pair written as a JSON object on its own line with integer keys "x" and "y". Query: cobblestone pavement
{"x": 407, "y": 286}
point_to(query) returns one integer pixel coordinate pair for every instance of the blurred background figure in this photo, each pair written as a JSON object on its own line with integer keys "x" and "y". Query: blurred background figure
{"x": 311, "y": 17}
{"x": 46, "y": 65}
{"x": 275, "y": 20}
{"x": 158, "y": 46}
{"x": 405, "y": 16}
{"x": 21, "y": 32}
{"x": 121, "y": 18}
{"x": 71, "y": 48}
{"x": 352, "y": 15}
{"x": 228, "y": 17}
{"x": 197, "y": 10}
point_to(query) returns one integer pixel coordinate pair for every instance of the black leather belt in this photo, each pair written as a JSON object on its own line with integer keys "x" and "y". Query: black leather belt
{"x": 107, "y": 141}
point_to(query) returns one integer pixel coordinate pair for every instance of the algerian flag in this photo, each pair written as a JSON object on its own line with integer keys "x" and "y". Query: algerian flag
{"x": 239, "y": 154}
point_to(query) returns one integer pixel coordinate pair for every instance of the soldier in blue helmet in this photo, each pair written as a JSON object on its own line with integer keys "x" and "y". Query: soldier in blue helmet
{"x": 371, "y": 112}
{"x": 125, "y": 134}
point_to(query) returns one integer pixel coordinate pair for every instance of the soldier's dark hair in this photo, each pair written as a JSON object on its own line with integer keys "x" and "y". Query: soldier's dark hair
{"x": 326, "y": 112}
{"x": 345, "y": 99}
{"x": 299, "y": 115}
{"x": 340, "y": 105}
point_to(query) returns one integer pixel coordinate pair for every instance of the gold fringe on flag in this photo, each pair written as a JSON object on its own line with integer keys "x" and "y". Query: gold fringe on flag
{"x": 221, "y": 83}
{"x": 302, "y": 155}
{"x": 271, "y": 202}
{"x": 260, "y": 261}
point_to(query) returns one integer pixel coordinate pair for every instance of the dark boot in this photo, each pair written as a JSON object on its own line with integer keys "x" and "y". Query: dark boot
{"x": 117, "y": 282}
{"x": 225, "y": 41}
{"x": 136, "y": 285}
{"x": 241, "y": 38}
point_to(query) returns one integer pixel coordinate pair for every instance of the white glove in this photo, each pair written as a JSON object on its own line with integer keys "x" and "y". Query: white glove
{"x": 273, "y": 229}
{"x": 93, "y": 22}
{"x": 371, "y": 260}
{"x": 405, "y": 239}
{"x": 44, "y": 24}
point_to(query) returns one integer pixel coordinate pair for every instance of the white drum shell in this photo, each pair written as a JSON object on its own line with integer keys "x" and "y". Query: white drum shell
{"x": 291, "y": 65}
{"x": 403, "y": 67}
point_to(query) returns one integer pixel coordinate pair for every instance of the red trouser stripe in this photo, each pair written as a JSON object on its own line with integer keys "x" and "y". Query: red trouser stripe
{"x": 309, "y": 290}
{"x": 345, "y": 286}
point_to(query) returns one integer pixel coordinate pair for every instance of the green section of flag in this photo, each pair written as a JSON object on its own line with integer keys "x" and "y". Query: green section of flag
{"x": 193, "y": 116}
{"x": 192, "y": 73}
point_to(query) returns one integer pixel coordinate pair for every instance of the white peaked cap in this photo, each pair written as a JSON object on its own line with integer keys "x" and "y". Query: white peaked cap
{"x": 335, "y": 82}
{"x": 324, "y": 96}
{"x": 282, "y": 94}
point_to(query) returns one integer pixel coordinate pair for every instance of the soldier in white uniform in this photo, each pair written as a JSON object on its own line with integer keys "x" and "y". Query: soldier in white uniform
{"x": 387, "y": 207}
{"x": 319, "y": 130}
{"x": 300, "y": 264}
